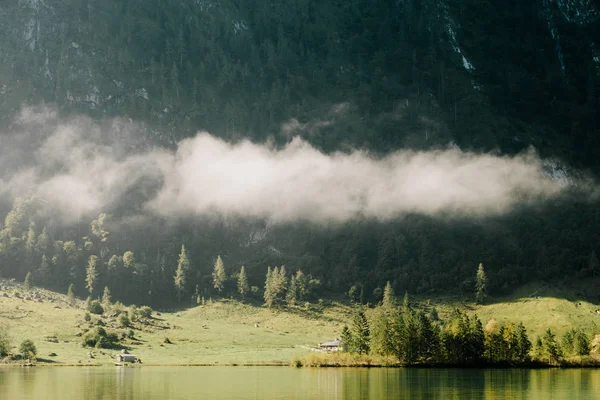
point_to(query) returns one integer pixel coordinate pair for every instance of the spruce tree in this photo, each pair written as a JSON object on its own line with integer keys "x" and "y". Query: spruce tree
{"x": 106, "y": 298}
{"x": 292, "y": 293}
{"x": 183, "y": 265}
{"x": 219, "y": 275}
{"x": 27, "y": 283}
{"x": 268, "y": 293}
{"x": 71, "y": 294}
{"x": 389, "y": 300}
{"x": 360, "y": 333}
{"x": 242, "y": 283}
{"x": 91, "y": 274}
{"x": 405, "y": 303}
{"x": 301, "y": 286}
{"x": 551, "y": 349}
{"x": 44, "y": 270}
{"x": 380, "y": 330}
{"x": 582, "y": 344}
{"x": 480, "y": 285}
{"x": 523, "y": 344}
{"x": 346, "y": 339}
{"x": 179, "y": 281}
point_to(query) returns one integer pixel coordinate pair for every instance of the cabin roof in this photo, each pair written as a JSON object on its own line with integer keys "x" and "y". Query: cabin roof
{"x": 331, "y": 343}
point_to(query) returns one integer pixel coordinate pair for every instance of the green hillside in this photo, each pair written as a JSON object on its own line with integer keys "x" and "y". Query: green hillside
{"x": 233, "y": 332}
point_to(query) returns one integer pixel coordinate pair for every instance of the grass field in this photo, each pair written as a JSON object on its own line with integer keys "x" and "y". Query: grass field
{"x": 220, "y": 332}
{"x": 539, "y": 306}
{"x": 231, "y": 332}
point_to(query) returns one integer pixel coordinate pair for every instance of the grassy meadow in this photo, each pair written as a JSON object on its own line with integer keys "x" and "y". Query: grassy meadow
{"x": 233, "y": 332}
{"x": 222, "y": 332}
{"x": 539, "y": 306}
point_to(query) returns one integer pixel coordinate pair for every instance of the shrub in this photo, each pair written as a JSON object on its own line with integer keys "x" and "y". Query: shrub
{"x": 95, "y": 307}
{"x": 124, "y": 321}
{"x": 4, "y": 341}
{"x": 87, "y": 317}
{"x": 133, "y": 313}
{"x": 118, "y": 308}
{"x": 145, "y": 312}
{"x": 27, "y": 349}
{"x": 99, "y": 336}
{"x": 131, "y": 334}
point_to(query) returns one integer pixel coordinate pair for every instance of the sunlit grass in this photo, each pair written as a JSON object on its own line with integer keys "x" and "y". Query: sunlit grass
{"x": 223, "y": 332}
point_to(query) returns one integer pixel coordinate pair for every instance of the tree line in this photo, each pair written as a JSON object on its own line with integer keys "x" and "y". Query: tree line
{"x": 413, "y": 336}
{"x": 420, "y": 255}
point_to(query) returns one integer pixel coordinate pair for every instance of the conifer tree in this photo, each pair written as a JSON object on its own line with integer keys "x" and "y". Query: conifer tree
{"x": 380, "y": 331}
{"x": 242, "y": 283}
{"x": 346, "y": 339}
{"x": 184, "y": 260}
{"x": 523, "y": 344}
{"x": 292, "y": 293}
{"x": 219, "y": 275}
{"x": 27, "y": 283}
{"x": 582, "y": 344}
{"x": 405, "y": 303}
{"x": 268, "y": 293}
{"x": 480, "y": 285}
{"x": 106, "y": 298}
{"x": 179, "y": 281}
{"x": 551, "y": 349}
{"x": 360, "y": 333}
{"x": 183, "y": 265}
{"x": 389, "y": 300}
{"x": 428, "y": 343}
{"x": 44, "y": 270}
{"x": 91, "y": 273}
{"x": 302, "y": 289}
{"x": 71, "y": 294}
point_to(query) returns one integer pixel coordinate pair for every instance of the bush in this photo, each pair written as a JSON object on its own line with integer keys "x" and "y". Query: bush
{"x": 118, "y": 308}
{"x": 132, "y": 313}
{"x": 99, "y": 337}
{"x": 95, "y": 307}
{"x": 145, "y": 312}
{"x": 87, "y": 317}
{"x": 124, "y": 321}
{"x": 4, "y": 341}
{"x": 28, "y": 349}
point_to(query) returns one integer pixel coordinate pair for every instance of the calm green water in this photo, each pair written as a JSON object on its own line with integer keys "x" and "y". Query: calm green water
{"x": 221, "y": 383}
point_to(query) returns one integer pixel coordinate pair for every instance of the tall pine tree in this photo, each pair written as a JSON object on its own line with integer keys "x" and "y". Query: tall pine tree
{"x": 219, "y": 276}
{"x": 242, "y": 283}
{"x": 91, "y": 273}
{"x": 480, "y": 285}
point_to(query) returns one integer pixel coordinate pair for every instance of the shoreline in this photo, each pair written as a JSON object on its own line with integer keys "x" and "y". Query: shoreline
{"x": 531, "y": 366}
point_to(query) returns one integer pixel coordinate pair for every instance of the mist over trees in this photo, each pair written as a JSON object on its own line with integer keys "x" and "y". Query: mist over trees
{"x": 370, "y": 75}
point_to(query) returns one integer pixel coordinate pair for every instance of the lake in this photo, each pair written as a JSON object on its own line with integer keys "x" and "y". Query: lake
{"x": 220, "y": 383}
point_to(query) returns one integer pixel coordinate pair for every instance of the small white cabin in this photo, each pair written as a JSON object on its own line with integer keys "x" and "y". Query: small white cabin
{"x": 331, "y": 345}
{"x": 126, "y": 358}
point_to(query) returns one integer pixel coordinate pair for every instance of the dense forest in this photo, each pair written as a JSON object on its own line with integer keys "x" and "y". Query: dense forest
{"x": 419, "y": 337}
{"x": 422, "y": 255}
{"x": 377, "y": 75}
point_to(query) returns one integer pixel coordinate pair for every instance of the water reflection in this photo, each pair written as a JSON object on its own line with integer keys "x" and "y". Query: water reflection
{"x": 220, "y": 383}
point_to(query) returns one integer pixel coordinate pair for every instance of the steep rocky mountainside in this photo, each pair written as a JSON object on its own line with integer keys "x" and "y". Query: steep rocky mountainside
{"x": 376, "y": 74}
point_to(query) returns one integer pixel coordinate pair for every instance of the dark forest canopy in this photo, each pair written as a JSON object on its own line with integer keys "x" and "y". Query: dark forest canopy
{"x": 416, "y": 73}
{"x": 138, "y": 258}
{"x": 373, "y": 75}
